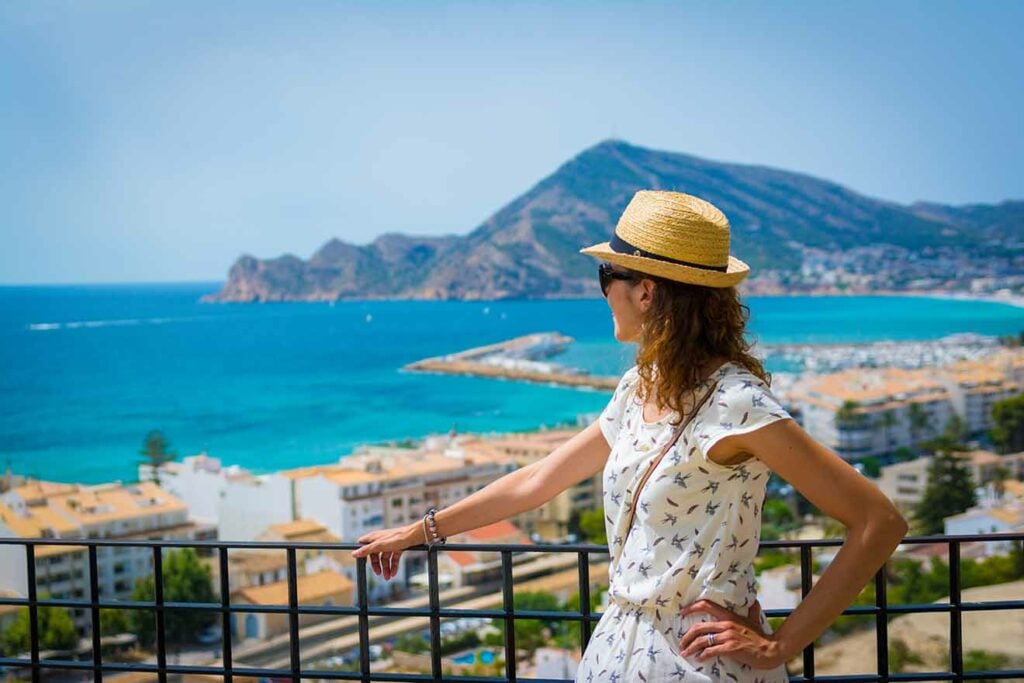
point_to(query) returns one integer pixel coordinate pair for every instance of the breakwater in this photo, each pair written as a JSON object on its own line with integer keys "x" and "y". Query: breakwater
{"x": 520, "y": 359}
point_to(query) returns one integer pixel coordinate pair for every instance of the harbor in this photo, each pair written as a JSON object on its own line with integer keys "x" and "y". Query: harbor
{"x": 520, "y": 359}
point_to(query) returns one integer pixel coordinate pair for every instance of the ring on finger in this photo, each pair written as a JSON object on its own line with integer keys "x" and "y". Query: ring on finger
{"x": 711, "y": 639}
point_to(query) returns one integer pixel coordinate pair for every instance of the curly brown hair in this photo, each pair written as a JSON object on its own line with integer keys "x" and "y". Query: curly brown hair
{"x": 686, "y": 327}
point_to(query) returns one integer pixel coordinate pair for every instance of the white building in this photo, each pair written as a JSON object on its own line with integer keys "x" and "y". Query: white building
{"x": 989, "y": 520}
{"x": 904, "y": 483}
{"x": 69, "y": 511}
{"x": 240, "y": 504}
{"x": 974, "y": 387}
{"x": 384, "y": 487}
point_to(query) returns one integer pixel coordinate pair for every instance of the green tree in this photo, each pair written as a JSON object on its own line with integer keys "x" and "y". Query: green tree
{"x": 533, "y": 633}
{"x": 888, "y": 421}
{"x": 777, "y": 512}
{"x": 412, "y": 642}
{"x": 113, "y": 622}
{"x": 155, "y": 452}
{"x": 982, "y": 660}
{"x": 919, "y": 421}
{"x": 900, "y": 655}
{"x": 951, "y": 439}
{"x": 592, "y": 526}
{"x": 1008, "y": 424}
{"x": 949, "y": 491}
{"x": 56, "y": 631}
{"x": 186, "y": 579}
{"x": 872, "y": 466}
{"x": 903, "y": 454}
{"x": 569, "y": 635}
{"x": 849, "y": 416}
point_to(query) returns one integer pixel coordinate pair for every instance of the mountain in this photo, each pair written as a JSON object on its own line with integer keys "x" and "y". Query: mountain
{"x": 529, "y": 248}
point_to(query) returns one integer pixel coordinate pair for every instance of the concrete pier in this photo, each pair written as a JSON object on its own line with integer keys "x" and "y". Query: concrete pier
{"x": 516, "y": 359}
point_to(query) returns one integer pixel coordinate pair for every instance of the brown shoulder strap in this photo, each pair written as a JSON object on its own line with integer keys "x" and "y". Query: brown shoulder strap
{"x": 671, "y": 442}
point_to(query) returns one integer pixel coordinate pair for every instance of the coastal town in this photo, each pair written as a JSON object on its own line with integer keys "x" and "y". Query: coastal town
{"x": 891, "y": 409}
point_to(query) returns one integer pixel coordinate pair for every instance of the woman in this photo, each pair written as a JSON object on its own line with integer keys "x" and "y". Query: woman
{"x": 686, "y": 446}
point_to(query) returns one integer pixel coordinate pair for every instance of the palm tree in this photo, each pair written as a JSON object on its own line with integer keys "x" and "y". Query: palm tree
{"x": 918, "y": 421}
{"x": 155, "y": 453}
{"x": 888, "y": 422}
{"x": 847, "y": 415}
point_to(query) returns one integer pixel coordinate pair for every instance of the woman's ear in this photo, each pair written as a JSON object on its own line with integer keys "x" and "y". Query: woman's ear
{"x": 645, "y": 291}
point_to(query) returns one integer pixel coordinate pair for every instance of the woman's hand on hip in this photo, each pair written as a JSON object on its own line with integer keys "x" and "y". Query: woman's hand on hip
{"x": 732, "y": 635}
{"x": 384, "y": 547}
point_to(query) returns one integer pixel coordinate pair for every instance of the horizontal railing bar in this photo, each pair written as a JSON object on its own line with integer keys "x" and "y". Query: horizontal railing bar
{"x": 532, "y": 548}
{"x": 455, "y": 613}
{"x": 136, "y": 667}
{"x": 139, "y": 667}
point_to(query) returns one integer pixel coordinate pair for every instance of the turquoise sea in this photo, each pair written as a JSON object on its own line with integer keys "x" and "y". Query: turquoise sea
{"x": 86, "y": 371}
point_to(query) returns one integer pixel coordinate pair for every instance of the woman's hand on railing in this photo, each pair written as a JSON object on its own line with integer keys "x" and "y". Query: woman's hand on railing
{"x": 384, "y": 547}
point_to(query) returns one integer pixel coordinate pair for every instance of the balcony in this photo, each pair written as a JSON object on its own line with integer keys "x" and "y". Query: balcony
{"x": 34, "y": 666}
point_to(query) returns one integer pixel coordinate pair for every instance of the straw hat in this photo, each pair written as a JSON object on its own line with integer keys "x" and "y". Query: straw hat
{"x": 675, "y": 236}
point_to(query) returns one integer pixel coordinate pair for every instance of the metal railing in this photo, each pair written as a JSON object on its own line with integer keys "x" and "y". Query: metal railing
{"x": 34, "y": 665}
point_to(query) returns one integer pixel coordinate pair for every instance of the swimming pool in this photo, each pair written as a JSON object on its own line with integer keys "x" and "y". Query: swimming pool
{"x": 486, "y": 657}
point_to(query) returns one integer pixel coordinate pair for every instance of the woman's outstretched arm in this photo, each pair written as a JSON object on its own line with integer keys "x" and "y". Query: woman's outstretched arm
{"x": 579, "y": 458}
{"x": 875, "y": 529}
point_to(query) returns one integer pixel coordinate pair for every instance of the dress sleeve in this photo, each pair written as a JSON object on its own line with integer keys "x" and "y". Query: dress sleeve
{"x": 612, "y": 415}
{"x": 741, "y": 404}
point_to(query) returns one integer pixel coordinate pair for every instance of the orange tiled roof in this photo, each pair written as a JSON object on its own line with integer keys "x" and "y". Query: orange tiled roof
{"x": 498, "y": 530}
{"x": 311, "y": 588}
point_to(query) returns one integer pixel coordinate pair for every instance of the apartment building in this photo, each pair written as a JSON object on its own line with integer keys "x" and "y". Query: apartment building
{"x": 70, "y": 511}
{"x": 384, "y": 487}
{"x": 552, "y": 520}
{"x": 904, "y": 483}
{"x": 861, "y": 412}
{"x": 974, "y": 387}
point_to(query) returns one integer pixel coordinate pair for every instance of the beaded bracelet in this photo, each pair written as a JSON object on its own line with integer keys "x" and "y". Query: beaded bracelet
{"x": 430, "y": 528}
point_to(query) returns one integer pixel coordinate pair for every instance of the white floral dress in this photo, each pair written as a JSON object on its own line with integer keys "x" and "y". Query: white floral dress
{"x": 695, "y": 533}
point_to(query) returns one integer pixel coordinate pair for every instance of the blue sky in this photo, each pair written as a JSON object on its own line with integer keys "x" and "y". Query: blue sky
{"x": 148, "y": 141}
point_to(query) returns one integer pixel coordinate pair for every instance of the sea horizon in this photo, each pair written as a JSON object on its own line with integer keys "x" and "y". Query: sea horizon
{"x": 90, "y": 369}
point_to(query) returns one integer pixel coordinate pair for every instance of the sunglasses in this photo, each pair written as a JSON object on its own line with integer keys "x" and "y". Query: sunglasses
{"x": 606, "y": 273}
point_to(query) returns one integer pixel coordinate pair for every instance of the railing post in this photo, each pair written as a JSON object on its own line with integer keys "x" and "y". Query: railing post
{"x": 364, "y": 620}
{"x": 435, "y": 616}
{"x": 158, "y": 613}
{"x": 94, "y": 610}
{"x": 956, "y": 653}
{"x": 226, "y": 618}
{"x": 508, "y": 603}
{"x": 583, "y": 562}
{"x": 806, "y": 572}
{"x": 293, "y": 616}
{"x": 33, "y": 609}
{"x": 882, "y": 623}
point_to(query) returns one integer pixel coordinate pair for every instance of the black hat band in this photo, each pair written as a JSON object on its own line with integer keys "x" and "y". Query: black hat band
{"x": 621, "y": 246}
